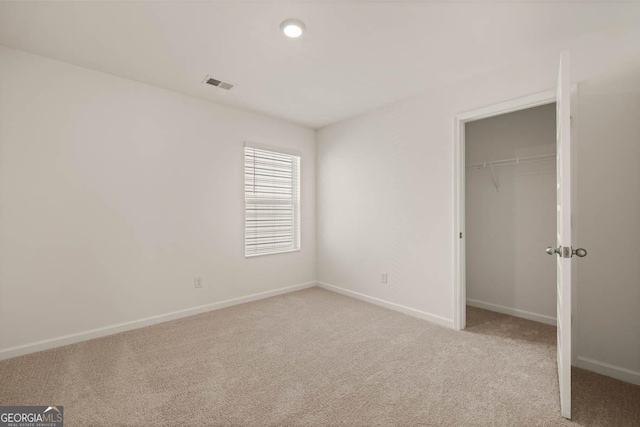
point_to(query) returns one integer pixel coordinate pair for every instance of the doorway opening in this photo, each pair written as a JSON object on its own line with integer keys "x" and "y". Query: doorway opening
{"x": 510, "y": 214}
{"x": 504, "y": 160}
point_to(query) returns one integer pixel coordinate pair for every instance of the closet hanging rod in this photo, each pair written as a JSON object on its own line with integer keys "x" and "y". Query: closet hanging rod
{"x": 514, "y": 161}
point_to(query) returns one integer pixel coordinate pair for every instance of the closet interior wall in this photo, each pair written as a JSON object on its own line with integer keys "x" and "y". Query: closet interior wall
{"x": 510, "y": 213}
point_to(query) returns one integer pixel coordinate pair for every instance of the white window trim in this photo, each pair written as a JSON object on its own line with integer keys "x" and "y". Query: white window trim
{"x": 282, "y": 150}
{"x": 271, "y": 253}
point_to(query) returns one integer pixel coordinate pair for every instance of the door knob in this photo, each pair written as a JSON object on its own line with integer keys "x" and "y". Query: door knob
{"x": 579, "y": 252}
{"x": 552, "y": 251}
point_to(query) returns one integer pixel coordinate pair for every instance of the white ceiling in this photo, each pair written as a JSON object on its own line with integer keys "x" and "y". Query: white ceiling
{"x": 356, "y": 56}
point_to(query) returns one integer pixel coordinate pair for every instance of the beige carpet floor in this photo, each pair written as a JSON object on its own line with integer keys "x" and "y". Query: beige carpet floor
{"x": 316, "y": 358}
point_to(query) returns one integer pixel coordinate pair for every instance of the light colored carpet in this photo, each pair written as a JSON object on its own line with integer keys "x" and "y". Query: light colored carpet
{"x": 316, "y": 358}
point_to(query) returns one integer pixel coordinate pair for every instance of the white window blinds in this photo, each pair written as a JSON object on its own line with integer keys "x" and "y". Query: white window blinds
{"x": 272, "y": 202}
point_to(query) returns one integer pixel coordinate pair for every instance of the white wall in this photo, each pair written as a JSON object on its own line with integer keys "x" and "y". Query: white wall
{"x": 385, "y": 194}
{"x": 507, "y": 230}
{"x": 609, "y": 220}
{"x": 115, "y": 194}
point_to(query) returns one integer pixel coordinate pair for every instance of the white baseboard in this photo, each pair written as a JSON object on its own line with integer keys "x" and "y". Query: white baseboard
{"x": 613, "y": 371}
{"x": 20, "y": 350}
{"x": 433, "y": 318}
{"x": 513, "y": 312}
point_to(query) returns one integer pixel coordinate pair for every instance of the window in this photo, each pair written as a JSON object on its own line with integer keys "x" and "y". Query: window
{"x": 272, "y": 202}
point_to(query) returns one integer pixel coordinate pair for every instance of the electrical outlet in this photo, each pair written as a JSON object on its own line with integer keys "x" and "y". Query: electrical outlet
{"x": 197, "y": 281}
{"x": 383, "y": 277}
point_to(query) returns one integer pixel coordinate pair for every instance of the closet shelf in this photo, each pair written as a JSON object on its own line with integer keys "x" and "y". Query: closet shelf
{"x": 507, "y": 162}
{"x": 515, "y": 161}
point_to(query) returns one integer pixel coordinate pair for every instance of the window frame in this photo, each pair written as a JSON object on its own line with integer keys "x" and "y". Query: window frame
{"x": 296, "y": 206}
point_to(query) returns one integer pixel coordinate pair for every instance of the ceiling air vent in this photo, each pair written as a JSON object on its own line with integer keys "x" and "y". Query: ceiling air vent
{"x": 217, "y": 83}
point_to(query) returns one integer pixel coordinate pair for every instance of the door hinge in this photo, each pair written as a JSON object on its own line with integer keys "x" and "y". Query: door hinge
{"x": 566, "y": 252}
{"x": 461, "y": 235}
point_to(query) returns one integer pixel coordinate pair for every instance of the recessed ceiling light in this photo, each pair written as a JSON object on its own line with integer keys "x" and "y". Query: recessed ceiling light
{"x": 293, "y": 28}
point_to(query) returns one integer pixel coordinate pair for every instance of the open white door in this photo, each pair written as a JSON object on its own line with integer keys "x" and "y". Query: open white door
{"x": 563, "y": 249}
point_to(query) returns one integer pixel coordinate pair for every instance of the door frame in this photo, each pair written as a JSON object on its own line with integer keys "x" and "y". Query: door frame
{"x": 459, "y": 256}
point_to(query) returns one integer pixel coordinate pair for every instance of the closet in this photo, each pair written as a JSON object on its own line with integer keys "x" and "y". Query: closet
{"x": 510, "y": 203}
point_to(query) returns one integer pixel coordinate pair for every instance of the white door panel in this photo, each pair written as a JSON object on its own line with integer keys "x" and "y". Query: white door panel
{"x": 563, "y": 129}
